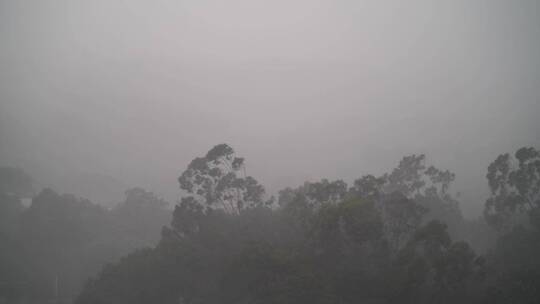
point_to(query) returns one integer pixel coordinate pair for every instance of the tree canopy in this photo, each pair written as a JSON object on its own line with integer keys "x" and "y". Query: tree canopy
{"x": 216, "y": 181}
{"x": 394, "y": 238}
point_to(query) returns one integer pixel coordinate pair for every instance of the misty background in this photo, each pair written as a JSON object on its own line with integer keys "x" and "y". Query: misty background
{"x": 98, "y": 96}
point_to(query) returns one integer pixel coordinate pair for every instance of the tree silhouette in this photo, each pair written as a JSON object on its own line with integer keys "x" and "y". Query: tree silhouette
{"x": 216, "y": 181}
{"x": 515, "y": 189}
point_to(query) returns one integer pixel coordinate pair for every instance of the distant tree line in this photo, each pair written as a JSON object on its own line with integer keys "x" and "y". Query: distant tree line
{"x": 395, "y": 238}
{"x": 48, "y": 250}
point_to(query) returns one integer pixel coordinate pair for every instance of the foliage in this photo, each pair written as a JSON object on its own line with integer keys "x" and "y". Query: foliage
{"x": 314, "y": 194}
{"x": 141, "y": 217}
{"x": 324, "y": 243}
{"x": 61, "y": 240}
{"x": 513, "y": 210}
{"x": 215, "y": 181}
{"x": 515, "y": 189}
{"x": 428, "y": 188}
{"x": 388, "y": 239}
{"x": 433, "y": 269}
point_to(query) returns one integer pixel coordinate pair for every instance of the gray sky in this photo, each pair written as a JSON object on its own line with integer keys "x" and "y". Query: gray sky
{"x": 96, "y": 96}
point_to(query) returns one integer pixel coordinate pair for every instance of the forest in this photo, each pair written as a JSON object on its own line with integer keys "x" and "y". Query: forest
{"x": 399, "y": 237}
{"x": 269, "y": 152}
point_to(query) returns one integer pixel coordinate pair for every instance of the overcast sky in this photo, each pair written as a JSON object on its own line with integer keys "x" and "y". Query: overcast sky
{"x": 97, "y": 96}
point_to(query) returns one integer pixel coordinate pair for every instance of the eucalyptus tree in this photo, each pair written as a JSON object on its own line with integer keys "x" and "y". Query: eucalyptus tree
{"x": 432, "y": 268}
{"x": 411, "y": 194}
{"x": 314, "y": 194}
{"x": 515, "y": 189}
{"x": 218, "y": 180}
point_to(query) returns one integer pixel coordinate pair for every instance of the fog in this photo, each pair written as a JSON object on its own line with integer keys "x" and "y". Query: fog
{"x": 249, "y": 151}
{"x": 133, "y": 90}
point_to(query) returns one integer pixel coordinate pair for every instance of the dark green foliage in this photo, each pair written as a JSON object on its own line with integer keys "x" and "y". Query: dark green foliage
{"x": 397, "y": 238}
{"x": 340, "y": 255}
{"x": 324, "y": 244}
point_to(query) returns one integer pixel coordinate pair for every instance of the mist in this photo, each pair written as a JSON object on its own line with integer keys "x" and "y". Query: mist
{"x": 98, "y": 97}
{"x": 305, "y": 89}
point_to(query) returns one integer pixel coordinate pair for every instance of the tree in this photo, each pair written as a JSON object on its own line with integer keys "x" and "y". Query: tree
{"x": 411, "y": 178}
{"x": 215, "y": 181}
{"x": 515, "y": 189}
{"x": 368, "y": 186}
{"x": 426, "y": 186}
{"x": 63, "y": 233}
{"x": 141, "y": 216}
{"x": 314, "y": 194}
{"x": 513, "y": 209}
{"x": 514, "y": 267}
{"x": 433, "y": 269}
{"x": 400, "y": 216}
{"x": 372, "y": 243}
